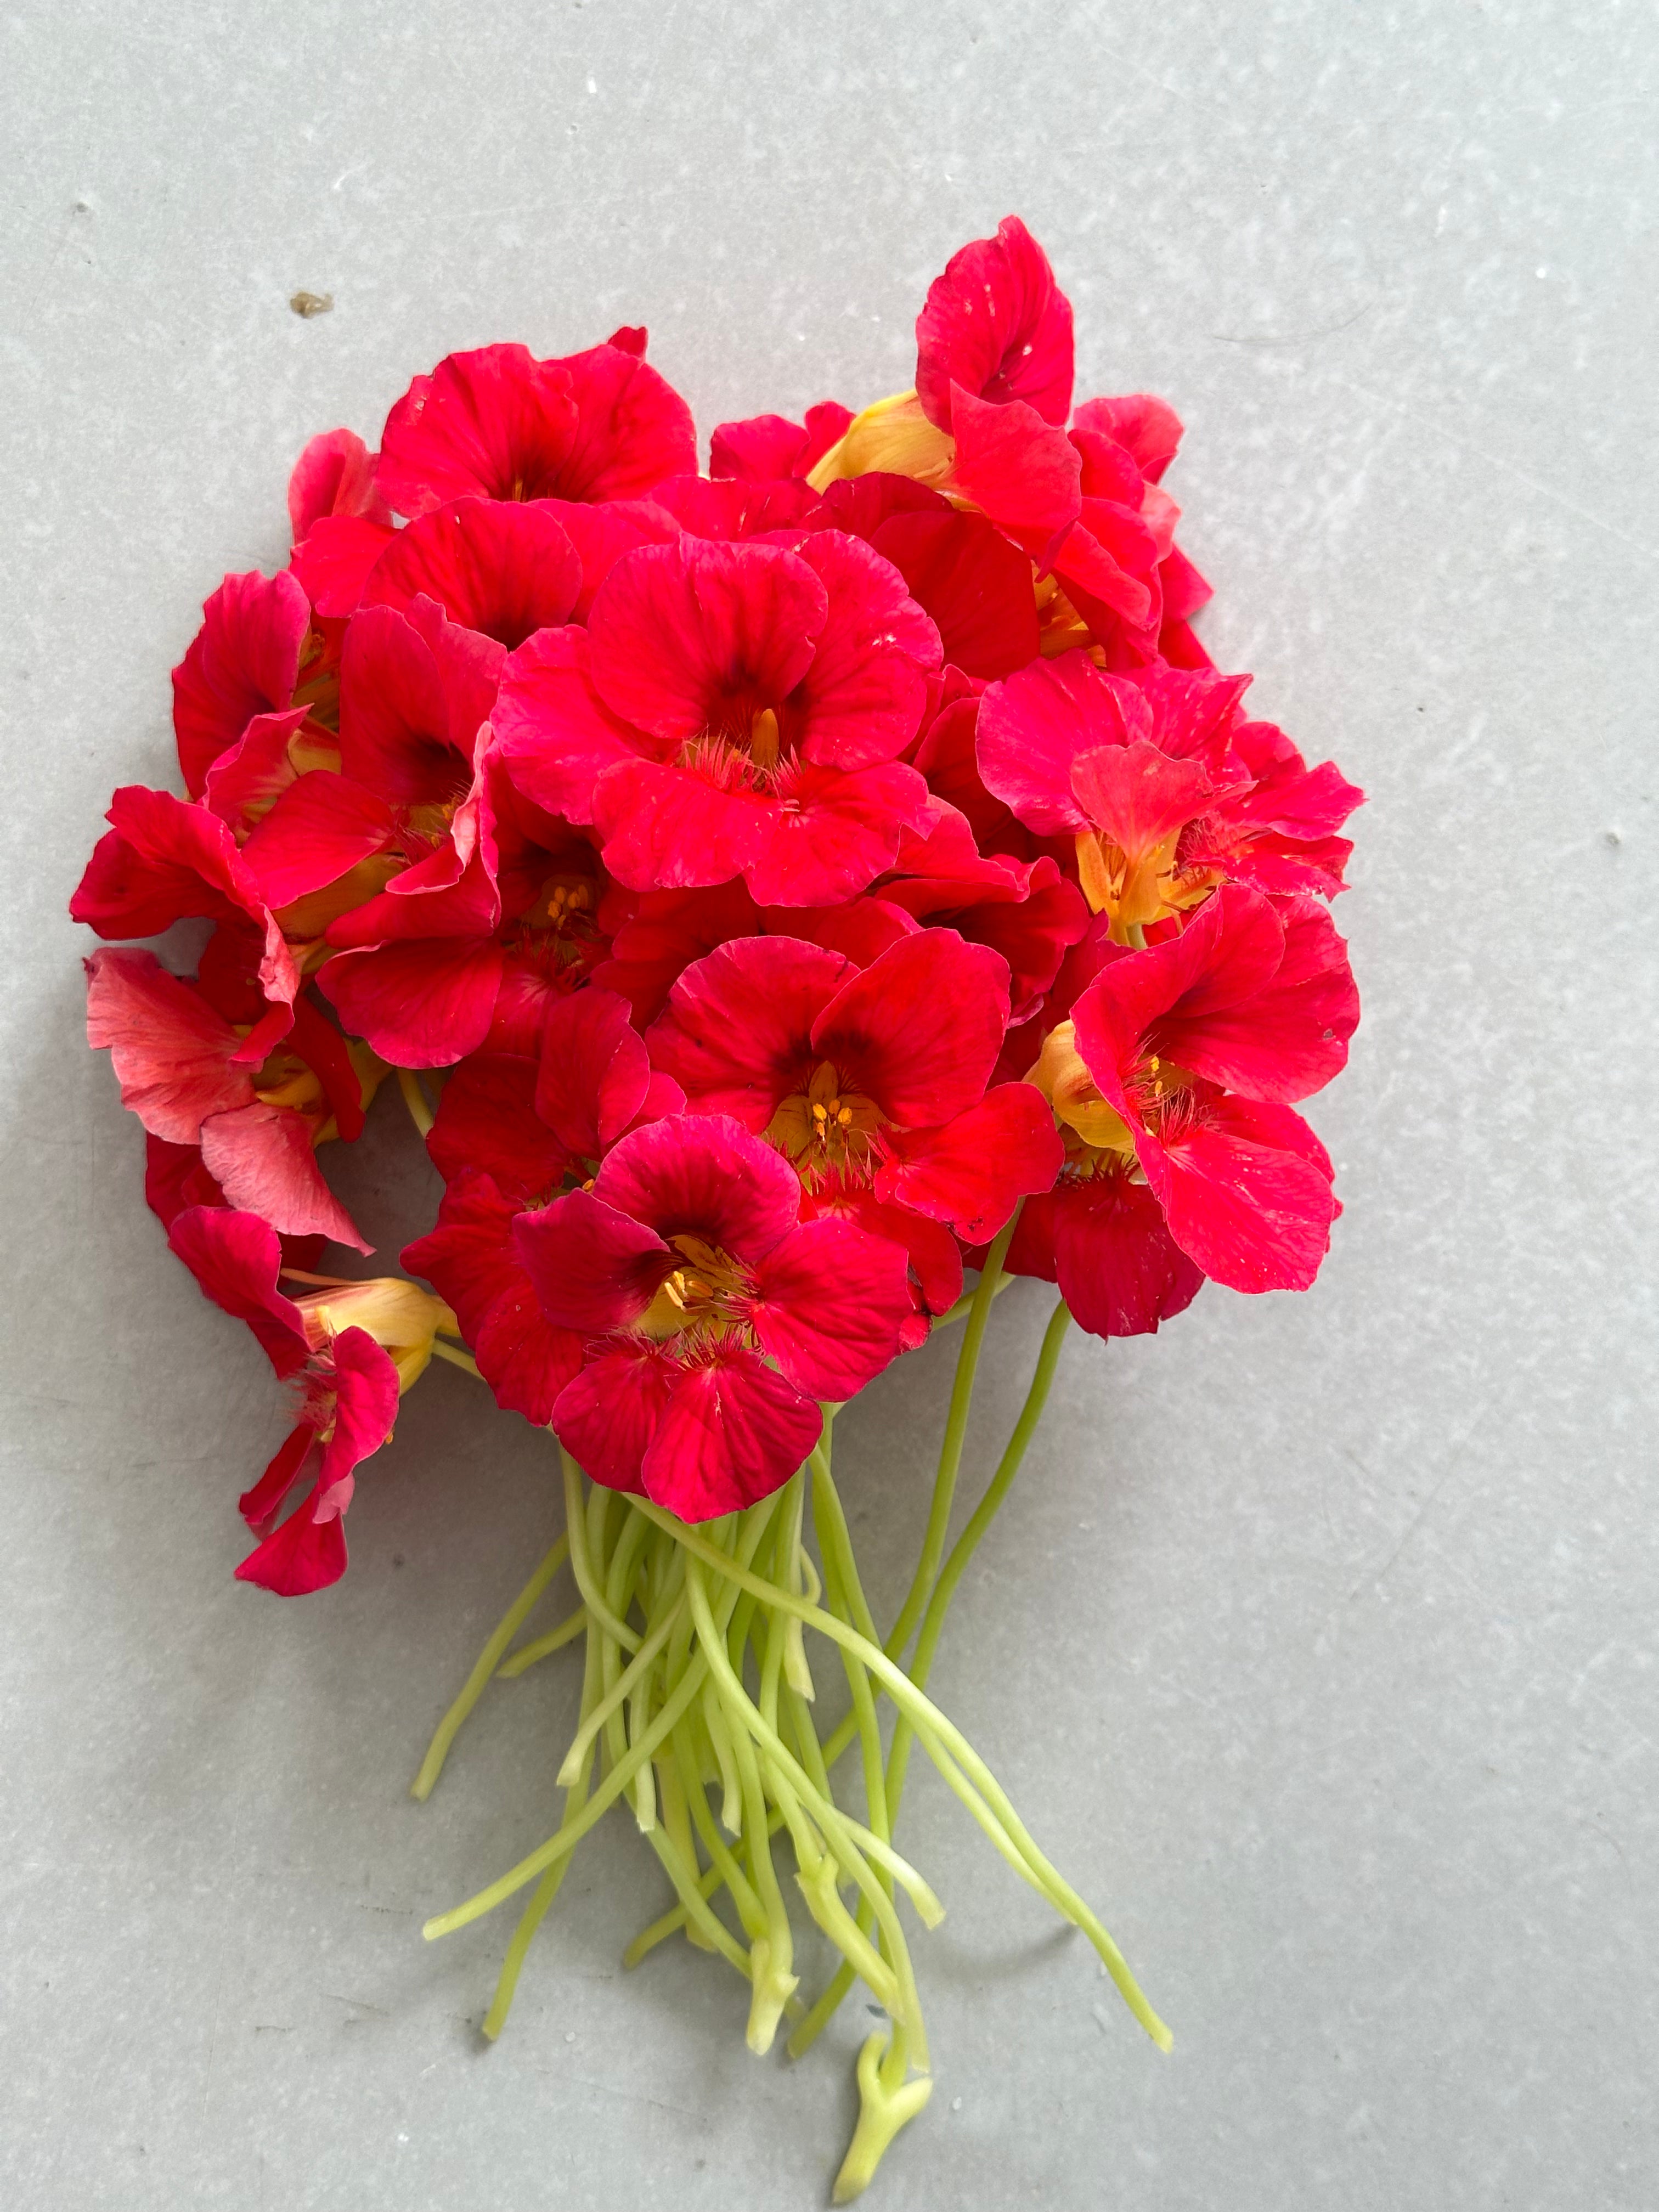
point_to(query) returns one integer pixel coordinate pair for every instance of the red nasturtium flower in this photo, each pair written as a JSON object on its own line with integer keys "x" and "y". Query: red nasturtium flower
{"x": 732, "y": 710}
{"x": 872, "y": 1082}
{"x": 713, "y": 1317}
{"x": 1183, "y": 1059}
{"x": 353, "y": 1348}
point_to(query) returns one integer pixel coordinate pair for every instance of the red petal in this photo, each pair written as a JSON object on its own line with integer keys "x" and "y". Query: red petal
{"x": 245, "y": 783}
{"x": 335, "y": 475}
{"x": 1254, "y": 1215}
{"x": 245, "y": 662}
{"x": 556, "y": 734}
{"x": 259, "y": 1505}
{"x": 235, "y": 1258}
{"x": 732, "y": 1432}
{"x": 365, "y": 1407}
{"x": 998, "y": 325}
{"x": 1118, "y": 1267}
{"x": 301, "y": 1556}
{"x": 974, "y": 1170}
{"x": 472, "y": 1261}
{"x": 318, "y": 831}
{"x": 493, "y": 565}
{"x": 1034, "y": 727}
{"x": 425, "y": 1002}
{"x": 703, "y": 1175}
{"x": 487, "y": 1120}
{"x": 671, "y": 828}
{"x": 494, "y": 421}
{"x": 700, "y": 636}
{"x": 1148, "y": 428}
{"x": 972, "y": 582}
{"x": 828, "y": 1304}
{"x": 738, "y": 1033}
{"x": 594, "y": 1072}
{"x": 333, "y": 567}
{"x": 920, "y": 1029}
{"x": 860, "y": 701}
{"x": 834, "y": 833}
{"x": 606, "y": 1417}
{"x": 1019, "y": 472}
{"x": 592, "y": 1267}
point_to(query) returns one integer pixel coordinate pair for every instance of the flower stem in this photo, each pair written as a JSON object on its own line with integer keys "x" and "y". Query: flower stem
{"x": 966, "y": 1545}
{"x": 456, "y": 1358}
{"x": 950, "y": 1457}
{"x": 485, "y": 1665}
{"x": 415, "y": 1098}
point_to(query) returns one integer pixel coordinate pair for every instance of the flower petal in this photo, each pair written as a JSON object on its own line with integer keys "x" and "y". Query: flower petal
{"x": 732, "y": 1433}
{"x": 828, "y": 1305}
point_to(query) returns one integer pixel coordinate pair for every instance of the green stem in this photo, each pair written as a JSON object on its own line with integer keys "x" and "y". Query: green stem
{"x": 488, "y": 1660}
{"x": 965, "y": 1771}
{"x": 968, "y": 1543}
{"x": 415, "y": 1098}
{"x": 456, "y": 1358}
{"x": 950, "y": 1457}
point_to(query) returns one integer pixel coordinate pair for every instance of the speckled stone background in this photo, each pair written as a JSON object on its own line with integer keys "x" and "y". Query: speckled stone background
{"x": 1318, "y": 1642}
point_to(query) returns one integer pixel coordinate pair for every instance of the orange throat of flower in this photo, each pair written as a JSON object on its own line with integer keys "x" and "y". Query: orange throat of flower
{"x": 830, "y": 1130}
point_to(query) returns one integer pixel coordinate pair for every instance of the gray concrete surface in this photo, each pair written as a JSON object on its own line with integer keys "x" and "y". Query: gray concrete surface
{"x": 1319, "y": 1642}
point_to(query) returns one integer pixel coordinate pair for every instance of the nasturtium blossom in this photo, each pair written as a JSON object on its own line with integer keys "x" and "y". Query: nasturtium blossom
{"x": 731, "y": 710}
{"x": 714, "y": 1316}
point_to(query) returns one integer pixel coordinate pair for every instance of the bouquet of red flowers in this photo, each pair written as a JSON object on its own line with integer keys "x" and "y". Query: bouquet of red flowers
{"x": 773, "y": 893}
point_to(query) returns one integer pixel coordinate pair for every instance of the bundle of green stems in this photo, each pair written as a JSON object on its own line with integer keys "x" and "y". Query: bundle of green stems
{"x": 698, "y": 1706}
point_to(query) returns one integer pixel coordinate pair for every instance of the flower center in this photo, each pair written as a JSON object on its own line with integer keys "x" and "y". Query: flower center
{"x": 700, "y": 1296}
{"x": 829, "y": 1129}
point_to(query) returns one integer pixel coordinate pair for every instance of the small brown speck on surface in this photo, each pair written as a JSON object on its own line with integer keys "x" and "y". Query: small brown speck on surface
{"x": 307, "y": 304}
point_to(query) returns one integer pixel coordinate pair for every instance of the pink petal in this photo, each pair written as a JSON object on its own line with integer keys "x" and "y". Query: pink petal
{"x": 262, "y": 1159}
{"x": 602, "y": 530}
{"x": 170, "y": 1052}
{"x": 632, "y": 431}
